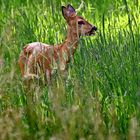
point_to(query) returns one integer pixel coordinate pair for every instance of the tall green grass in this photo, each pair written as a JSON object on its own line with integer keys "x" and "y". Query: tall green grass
{"x": 99, "y": 97}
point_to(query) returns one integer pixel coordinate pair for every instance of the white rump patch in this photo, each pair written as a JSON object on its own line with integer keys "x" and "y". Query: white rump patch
{"x": 37, "y": 47}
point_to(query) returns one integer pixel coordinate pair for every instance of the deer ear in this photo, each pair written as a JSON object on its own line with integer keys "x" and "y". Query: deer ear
{"x": 64, "y": 12}
{"x": 70, "y": 9}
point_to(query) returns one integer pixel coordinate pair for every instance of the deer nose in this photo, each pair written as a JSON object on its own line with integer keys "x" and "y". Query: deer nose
{"x": 94, "y": 28}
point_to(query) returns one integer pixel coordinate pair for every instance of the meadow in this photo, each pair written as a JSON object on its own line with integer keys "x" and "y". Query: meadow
{"x": 100, "y": 96}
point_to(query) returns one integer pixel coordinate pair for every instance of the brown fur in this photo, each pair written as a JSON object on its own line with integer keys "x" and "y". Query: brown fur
{"x": 38, "y": 56}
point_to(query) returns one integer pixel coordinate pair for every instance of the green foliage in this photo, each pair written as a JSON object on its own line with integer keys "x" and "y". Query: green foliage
{"x": 99, "y": 96}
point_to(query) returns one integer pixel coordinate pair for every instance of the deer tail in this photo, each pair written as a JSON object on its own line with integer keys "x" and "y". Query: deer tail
{"x": 23, "y": 58}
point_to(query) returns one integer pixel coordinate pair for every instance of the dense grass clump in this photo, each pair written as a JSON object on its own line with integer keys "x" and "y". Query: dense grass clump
{"x": 100, "y": 96}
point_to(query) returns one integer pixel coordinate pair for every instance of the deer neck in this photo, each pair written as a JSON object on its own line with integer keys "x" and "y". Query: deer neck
{"x": 71, "y": 41}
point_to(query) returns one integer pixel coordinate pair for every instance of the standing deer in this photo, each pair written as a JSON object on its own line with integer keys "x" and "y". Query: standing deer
{"x": 37, "y": 56}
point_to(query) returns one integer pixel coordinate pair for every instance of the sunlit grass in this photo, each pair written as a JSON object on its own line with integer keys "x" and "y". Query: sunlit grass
{"x": 98, "y": 98}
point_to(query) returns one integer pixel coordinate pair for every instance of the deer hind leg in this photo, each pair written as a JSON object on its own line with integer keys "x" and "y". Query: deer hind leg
{"x": 29, "y": 74}
{"x": 48, "y": 76}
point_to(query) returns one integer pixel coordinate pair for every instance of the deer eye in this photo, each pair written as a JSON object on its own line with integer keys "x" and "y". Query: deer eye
{"x": 81, "y": 23}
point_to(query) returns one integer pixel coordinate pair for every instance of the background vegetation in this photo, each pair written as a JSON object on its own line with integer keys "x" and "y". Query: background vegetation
{"x": 99, "y": 99}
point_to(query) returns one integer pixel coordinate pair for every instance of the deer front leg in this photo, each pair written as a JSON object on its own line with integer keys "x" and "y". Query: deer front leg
{"x": 62, "y": 69}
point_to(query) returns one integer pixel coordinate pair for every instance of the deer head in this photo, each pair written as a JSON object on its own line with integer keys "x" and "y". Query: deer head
{"x": 77, "y": 24}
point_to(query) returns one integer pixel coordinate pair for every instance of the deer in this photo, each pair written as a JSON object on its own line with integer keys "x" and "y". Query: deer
{"x": 37, "y": 56}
